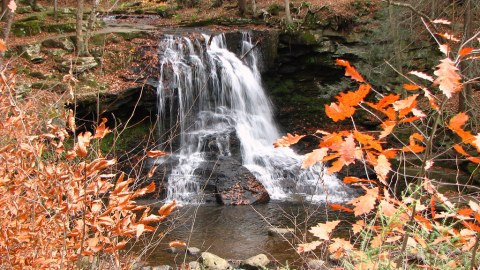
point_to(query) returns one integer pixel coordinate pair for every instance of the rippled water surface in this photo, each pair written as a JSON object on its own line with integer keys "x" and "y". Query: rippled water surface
{"x": 238, "y": 232}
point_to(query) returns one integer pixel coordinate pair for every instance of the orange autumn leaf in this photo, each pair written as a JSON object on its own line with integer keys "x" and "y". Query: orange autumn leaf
{"x": 462, "y": 151}
{"x": 337, "y": 165}
{"x": 288, "y": 140}
{"x": 156, "y": 153}
{"x": 347, "y": 150}
{"x": 411, "y": 87}
{"x": 349, "y": 70}
{"x": 465, "y": 51}
{"x": 167, "y": 208}
{"x": 142, "y": 191}
{"x": 405, "y": 106}
{"x": 413, "y": 146}
{"x": 140, "y": 229}
{"x": 323, "y": 230}
{"x": 338, "y": 207}
{"x": 101, "y": 130}
{"x": 3, "y": 45}
{"x": 382, "y": 168}
{"x": 83, "y": 141}
{"x": 367, "y": 141}
{"x": 358, "y": 226}
{"x": 388, "y": 127}
{"x": 306, "y": 247}
{"x": 339, "y": 112}
{"x": 353, "y": 98}
{"x": 458, "y": 121}
{"x": 315, "y": 156}
{"x": 338, "y": 246}
{"x": 177, "y": 243}
{"x": 364, "y": 204}
{"x": 448, "y": 79}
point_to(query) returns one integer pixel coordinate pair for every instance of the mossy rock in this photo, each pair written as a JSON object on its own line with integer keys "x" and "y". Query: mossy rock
{"x": 50, "y": 86}
{"x": 128, "y": 36}
{"x": 27, "y": 28}
{"x": 36, "y": 17}
{"x": 102, "y": 39}
{"x": 59, "y": 28}
{"x": 24, "y": 10}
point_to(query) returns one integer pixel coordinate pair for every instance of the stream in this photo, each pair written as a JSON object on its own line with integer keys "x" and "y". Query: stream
{"x": 240, "y": 232}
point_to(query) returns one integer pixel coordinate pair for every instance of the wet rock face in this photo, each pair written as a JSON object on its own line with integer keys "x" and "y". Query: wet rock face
{"x": 228, "y": 182}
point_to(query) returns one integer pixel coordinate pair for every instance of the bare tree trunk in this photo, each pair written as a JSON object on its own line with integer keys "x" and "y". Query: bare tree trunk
{"x": 90, "y": 25}
{"x": 9, "y": 15}
{"x": 4, "y": 7}
{"x": 242, "y": 7}
{"x": 254, "y": 8}
{"x": 79, "y": 32}
{"x": 55, "y": 10}
{"x": 6, "y": 31}
{"x": 287, "y": 11}
{"x": 466, "y": 96}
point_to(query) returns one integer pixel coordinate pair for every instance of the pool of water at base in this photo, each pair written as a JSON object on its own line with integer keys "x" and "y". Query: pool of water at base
{"x": 237, "y": 232}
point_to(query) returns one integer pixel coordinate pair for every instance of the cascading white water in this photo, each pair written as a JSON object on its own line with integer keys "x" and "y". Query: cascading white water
{"x": 208, "y": 92}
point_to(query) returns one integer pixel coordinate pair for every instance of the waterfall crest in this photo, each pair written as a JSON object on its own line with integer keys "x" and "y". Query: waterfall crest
{"x": 209, "y": 97}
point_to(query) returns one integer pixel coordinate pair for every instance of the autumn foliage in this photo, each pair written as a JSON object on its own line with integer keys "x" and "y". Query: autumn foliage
{"x": 60, "y": 199}
{"x": 424, "y": 228}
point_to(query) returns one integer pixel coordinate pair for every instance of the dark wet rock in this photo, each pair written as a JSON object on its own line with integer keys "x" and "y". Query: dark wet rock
{"x": 230, "y": 183}
{"x": 306, "y": 144}
{"x": 211, "y": 261}
{"x": 287, "y": 232}
{"x": 80, "y": 65}
{"x": 257, "y": 262}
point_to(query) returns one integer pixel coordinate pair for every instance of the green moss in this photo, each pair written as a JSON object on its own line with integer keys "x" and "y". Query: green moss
{"x": 59, "y": 28}
{"x": 133, "y": 136}
{"x": 308, "y": 38}
{"x": 27, "y": 28}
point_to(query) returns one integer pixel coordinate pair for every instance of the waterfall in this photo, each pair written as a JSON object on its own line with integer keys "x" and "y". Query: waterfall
{"x": 206, "y": 95}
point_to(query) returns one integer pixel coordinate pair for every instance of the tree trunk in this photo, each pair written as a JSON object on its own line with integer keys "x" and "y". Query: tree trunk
{"x": 4, "y": 7}
{"x": 90, "y": 25}
{"x": 55, "y": 10}
{"x": 242, "y": 6}
{"x": 9, "y": 15}
{"x": 466, "y": 96}
{"x": 254, "y": 8}
{"x": 287, "y": 11}
{"x": 79, "y": 32}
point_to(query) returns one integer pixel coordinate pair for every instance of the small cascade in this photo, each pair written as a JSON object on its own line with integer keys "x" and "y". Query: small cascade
{"x": 209, "y": 97}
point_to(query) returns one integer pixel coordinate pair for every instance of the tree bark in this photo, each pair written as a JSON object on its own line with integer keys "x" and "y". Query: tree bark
{"x": 79, "y": 32}
{"x": 254, "y": 8}
{"x": 9, "y": 16}
{"x": 287, "y": 11}
{"x": 466, "y": 96}
{"x": 242, "y": 7}
{"x": 90, "y": 25}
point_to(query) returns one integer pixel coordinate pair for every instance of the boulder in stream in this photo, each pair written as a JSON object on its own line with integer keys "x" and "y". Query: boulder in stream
{"x": 213, "y": 262}
{"x": 257, "y": 262}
